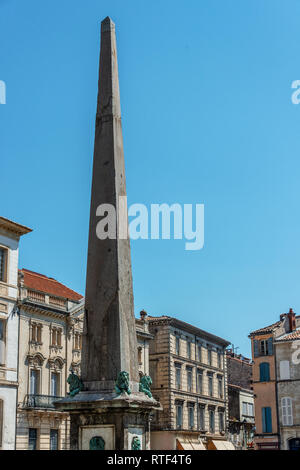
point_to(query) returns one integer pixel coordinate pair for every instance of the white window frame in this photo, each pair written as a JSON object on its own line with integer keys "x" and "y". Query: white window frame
{"x": 287, "y": 411}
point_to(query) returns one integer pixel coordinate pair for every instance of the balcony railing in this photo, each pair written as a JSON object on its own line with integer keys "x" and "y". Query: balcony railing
{"x": 40, "y": 401}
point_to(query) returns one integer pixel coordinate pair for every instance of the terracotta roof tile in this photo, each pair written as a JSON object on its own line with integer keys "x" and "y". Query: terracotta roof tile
{"x": 292, "y": 335}
{"x": 51, "y": 286}
{"x": 266, "y": 329}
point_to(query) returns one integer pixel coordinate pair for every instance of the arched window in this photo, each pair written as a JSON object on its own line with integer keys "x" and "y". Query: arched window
{"x": 287, "y": 411}
{"x": 264, "y": 372}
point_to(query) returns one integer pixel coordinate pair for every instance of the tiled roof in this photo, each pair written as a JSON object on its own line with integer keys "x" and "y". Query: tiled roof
{"x": 290, "y": 336}
{"x": 42, "y": 283}
{"x": 266, "y": 329}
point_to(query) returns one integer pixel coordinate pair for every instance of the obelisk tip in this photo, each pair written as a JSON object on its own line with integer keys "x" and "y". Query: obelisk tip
{"x": 107, "y": 24}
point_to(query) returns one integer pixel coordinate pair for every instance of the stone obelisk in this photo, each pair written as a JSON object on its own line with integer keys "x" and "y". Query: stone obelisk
{"x": 109, "y": 341}
{"x": 107, "y": 408}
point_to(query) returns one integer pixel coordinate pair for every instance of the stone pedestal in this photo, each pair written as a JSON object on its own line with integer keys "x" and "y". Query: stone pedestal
{"x": 117, "y": 420}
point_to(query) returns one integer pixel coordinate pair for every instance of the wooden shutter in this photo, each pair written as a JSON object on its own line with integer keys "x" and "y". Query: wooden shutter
{"x": 255, "y": 347}
{"x": 270, "y": 346}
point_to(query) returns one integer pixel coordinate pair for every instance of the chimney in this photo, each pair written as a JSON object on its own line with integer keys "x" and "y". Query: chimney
{"x": 292, "y": 320}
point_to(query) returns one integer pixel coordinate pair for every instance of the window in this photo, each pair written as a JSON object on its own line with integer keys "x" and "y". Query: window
{"x": 221, "y": 421}
{"x": 189, "y": 379}
{"x": 209, "y": 356}
{"x": 199, "y": 353}
{"x": 191, "y": 415}
{"x": 263, "y": 347}
{"x": 53, "y": 439}
{"x": 202, "y": 417}
{"x": 36, "y": 333}
{"x": 219, "y": 360}
{"x": 34, "y": 381}
{"x": 32, "y": 439}
{"x": 264, "y": 372}
{"x": 178, "y": 415}
{"x": 178, "y": 376}
{"x": 287, "y": 411}
{"x": 285, "y": 370}
{"x": 188, "y": 346}
{"x": 220, "y": 386}
{"x": 77, "y": 341}
{"x": 2, "y": 342}
{"x": 266, "y": 420}
{"x": 56, "y": 337}
{"x": 54, "y": 392}
{"x": 140, "y": 357}
{"x": 1, "y": 422}
{"x": 177, "y": 345}
{"x": 200, "y": 381}
{"x": 210, "y": 385}
{"x": 247, "y": 409}
{"x": 211, "y": 421}
{"x": 3, "y": 264}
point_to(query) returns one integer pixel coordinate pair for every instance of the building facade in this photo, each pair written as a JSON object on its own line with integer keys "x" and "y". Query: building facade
{"x": 188, "y": 369}
{"x": 10, "y": 233}
{"x": 49, "y": 347}
{"x": 265, "y": 380}
{"x": 240, "y": 401}
{"x": 287, "y": 353}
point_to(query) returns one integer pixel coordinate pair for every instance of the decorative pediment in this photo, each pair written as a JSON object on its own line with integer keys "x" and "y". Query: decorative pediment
{"x": 56, "y": 362}
{"x": 36, "y": 359}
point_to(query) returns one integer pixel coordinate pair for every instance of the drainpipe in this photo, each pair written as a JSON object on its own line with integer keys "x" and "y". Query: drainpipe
{"x": 18, "y": 360}
{"x": 276, "y": 395}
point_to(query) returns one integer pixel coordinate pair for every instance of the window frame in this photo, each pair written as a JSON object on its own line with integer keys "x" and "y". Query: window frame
{"x": 5, "y": 249}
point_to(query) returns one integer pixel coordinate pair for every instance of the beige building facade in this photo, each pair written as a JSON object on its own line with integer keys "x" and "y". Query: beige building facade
{"x": 50, "y": 317}
{"x": 10, "y": 233}
{"x": 188, "y": 369}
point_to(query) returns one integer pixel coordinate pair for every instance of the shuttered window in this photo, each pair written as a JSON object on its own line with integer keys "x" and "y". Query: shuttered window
{"x": 264, "y": 372}
{"x": 287, "y": 411}
{"x": 266, "y": 420}
{"x": 285, "y": 370}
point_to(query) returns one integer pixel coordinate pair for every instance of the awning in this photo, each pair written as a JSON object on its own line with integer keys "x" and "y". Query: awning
{"x": 223, "y": 445}
{"x": 189, "y": 444}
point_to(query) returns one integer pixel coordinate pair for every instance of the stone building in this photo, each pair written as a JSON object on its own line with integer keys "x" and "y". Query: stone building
{"x": 49, "y": 346}
{"x": 10, "y": 233}
{"x": 240, "y": 401}
{"x": 188, "y": 369}
{"x": 266, "y": 382}
{"x": 287, "y": 353}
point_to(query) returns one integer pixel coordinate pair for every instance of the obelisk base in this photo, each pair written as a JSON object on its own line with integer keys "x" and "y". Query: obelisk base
{"x": 109, "y": 422}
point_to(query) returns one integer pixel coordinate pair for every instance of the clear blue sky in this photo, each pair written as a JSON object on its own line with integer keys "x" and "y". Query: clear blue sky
{"x": 207, "y": 118}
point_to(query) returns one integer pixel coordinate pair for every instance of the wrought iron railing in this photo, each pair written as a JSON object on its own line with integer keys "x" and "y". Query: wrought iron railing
{"x": 40, "y": 401}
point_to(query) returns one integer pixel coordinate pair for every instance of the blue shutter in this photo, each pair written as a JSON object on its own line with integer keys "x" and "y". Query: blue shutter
{"x": 270, "y": 346}
{"x": 263, "y": 412}
{"x": 255, "y": 347}
{"x": 264, "y": 372}
{"x": 268, "y": 419}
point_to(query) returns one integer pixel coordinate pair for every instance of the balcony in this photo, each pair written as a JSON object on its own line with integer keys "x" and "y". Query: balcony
{"x": 40, "y": 401}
